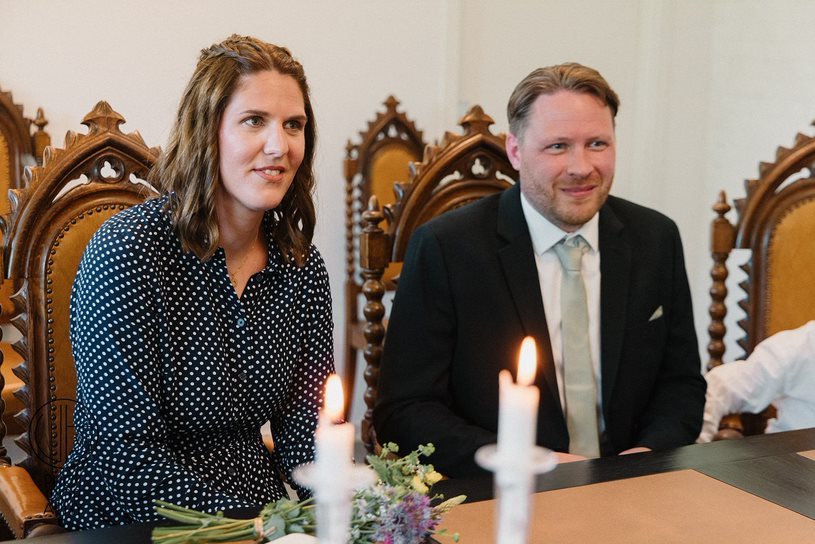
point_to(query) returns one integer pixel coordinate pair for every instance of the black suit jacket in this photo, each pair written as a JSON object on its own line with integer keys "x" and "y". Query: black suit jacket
{"x": 468, "y": 294}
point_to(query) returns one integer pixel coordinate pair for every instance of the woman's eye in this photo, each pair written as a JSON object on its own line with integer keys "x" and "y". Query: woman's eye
{"x": 254, "y": 121}
{"x": 293, "y": 125}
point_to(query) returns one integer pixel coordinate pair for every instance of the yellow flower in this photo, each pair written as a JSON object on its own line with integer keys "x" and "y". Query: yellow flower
{"x": 417, "y": 484}
{"x": 432, "y": 477}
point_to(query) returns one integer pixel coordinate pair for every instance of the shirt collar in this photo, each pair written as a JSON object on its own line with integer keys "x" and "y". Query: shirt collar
{"x": 545, "y": 235}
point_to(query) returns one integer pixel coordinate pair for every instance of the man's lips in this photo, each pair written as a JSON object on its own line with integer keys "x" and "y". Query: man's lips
{"x": 579, "y": 190}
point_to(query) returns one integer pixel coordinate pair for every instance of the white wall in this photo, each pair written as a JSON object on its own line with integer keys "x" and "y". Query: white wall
{"x": 708, "y": 87}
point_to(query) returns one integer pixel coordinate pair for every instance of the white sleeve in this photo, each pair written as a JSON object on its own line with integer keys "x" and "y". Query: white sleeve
{"x": 751, "y": 385}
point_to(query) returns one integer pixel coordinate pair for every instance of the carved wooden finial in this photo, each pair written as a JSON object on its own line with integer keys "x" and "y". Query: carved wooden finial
{"x": 391, "y": 103}
{"x": 40, "y": 138}
{"x": 103, "y": 119}
{"x": 476, "y": 121}
{"x": 721, "y": 207}
{"x": 40, "y": 121}
{"x": 373, "y": 215}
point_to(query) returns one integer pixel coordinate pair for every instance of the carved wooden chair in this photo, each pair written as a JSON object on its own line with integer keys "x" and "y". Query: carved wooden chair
{"x": 776, "y": 223}
{"x": 51, "y": 221}
{"x": 19, "y": 148}
{"x": 461, "y": 169}
{"x": 387, "y": 148}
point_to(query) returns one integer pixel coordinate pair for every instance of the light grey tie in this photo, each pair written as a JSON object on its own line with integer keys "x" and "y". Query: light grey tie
{"x": 578, "y": 372}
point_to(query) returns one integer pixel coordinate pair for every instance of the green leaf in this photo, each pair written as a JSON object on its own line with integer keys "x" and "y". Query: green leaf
{"x": 278, "y": 524}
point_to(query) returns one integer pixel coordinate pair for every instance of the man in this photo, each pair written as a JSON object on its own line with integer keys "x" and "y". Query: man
{"x": 479, "y": 279}
{"x": 781, "y": 371}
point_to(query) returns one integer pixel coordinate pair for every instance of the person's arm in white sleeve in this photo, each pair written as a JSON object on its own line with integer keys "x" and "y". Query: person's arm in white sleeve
{"x": 753, "y": 384}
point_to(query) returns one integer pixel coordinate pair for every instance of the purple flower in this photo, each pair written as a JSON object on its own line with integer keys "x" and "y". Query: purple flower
{"x": 407, "y": 520}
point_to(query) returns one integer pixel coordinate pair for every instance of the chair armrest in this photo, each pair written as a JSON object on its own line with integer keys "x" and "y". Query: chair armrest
{"x": 22, "y": 504}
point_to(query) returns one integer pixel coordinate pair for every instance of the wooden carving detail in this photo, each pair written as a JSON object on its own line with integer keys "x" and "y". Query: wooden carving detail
{"x": 373, "y": 260}
{"x": 388, "y": 127}
{"x": 721, "y": 243}
{"x": 460, "y": 169}
{"x": 24, "y": 148}
{"x": 83, "y": 155}
{"x": 40, "y": 138}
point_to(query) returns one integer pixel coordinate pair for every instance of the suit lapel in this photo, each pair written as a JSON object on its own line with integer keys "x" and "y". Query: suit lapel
{"x": 615, "y": 266}
{"x": 518, "y": 261}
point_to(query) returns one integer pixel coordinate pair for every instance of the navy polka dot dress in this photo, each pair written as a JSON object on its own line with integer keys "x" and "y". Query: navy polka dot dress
{"x": 176, "y": 375}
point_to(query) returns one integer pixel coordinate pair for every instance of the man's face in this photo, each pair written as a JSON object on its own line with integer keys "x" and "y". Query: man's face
{"x": 565, "y": 157}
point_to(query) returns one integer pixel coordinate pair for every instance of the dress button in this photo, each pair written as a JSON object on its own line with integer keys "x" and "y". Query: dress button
{"x": 242, "y": 376}
{"x": 231, "y": 471}
{"x": 241, "y": 322}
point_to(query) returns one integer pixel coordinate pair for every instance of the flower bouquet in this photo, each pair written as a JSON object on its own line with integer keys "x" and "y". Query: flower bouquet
{"x": 397, "y": 509}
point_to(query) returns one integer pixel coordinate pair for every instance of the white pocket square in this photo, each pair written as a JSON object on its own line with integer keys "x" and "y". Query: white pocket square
{"x": 656, "y": 315}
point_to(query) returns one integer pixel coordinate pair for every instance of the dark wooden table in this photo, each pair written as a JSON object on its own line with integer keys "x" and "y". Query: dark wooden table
{"x": 767, "y": 466}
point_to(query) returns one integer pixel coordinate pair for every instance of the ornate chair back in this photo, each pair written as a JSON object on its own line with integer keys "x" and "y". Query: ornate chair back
{"x": 51, "y": 221}
{"x": 384, "y": 154}
{"x": 776, "y": 223}
{"x": 460, "y": 170}
{"x": 19, "y": 148}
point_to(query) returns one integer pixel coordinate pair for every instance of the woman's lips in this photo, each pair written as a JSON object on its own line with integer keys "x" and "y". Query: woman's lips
{"x": 272, "y": 173}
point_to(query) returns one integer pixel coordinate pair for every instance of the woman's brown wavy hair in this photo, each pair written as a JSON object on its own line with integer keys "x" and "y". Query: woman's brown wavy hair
{"x": 189, "y": 167}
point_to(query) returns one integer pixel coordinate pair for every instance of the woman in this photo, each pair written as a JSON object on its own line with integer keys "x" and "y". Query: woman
{"x": 200, "y": 315}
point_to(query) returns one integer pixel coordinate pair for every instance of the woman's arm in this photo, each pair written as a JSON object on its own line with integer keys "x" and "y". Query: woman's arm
{"x": 294, "y": 426}
{"x": 120, "y": 387}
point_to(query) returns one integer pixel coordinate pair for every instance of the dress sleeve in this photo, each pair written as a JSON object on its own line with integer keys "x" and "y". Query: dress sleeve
{"x": 115, "y": 343}
{"x": 293, "y": 427}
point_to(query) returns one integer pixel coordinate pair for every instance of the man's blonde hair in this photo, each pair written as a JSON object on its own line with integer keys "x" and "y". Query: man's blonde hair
{"x": 569, "y": 76}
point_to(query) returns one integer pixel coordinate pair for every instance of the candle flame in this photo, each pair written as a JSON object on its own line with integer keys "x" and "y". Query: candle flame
{"x": 334, "y": 400}
{"x": 527, "y": 361}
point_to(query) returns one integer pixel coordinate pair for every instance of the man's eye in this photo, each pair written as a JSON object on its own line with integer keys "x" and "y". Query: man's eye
{"x": 598, "y": 144}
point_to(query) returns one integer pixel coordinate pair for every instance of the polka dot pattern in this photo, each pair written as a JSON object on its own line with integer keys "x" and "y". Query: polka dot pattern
{"x": 176, "y": 375}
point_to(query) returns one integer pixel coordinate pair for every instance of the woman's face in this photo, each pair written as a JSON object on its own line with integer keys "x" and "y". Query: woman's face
{"x": 261, "y": 143}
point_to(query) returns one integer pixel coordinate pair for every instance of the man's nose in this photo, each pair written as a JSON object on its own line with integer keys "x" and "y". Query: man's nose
{"x": 579, "y": 164}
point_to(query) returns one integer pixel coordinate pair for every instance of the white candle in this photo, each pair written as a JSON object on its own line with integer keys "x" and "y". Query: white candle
{"x": 335, "y": 442}
{"x": 517, "y": 425}
{"x": 332, "y": 481}
{"x": 518, "y": 407}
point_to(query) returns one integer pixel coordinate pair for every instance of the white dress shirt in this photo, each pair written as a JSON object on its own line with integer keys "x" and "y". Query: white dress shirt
{"x": 545, "y": 236}
{"x": 780, "y": 371}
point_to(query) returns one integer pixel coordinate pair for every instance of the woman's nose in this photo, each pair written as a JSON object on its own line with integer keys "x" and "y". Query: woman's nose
{"x": 276, "y": 144}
